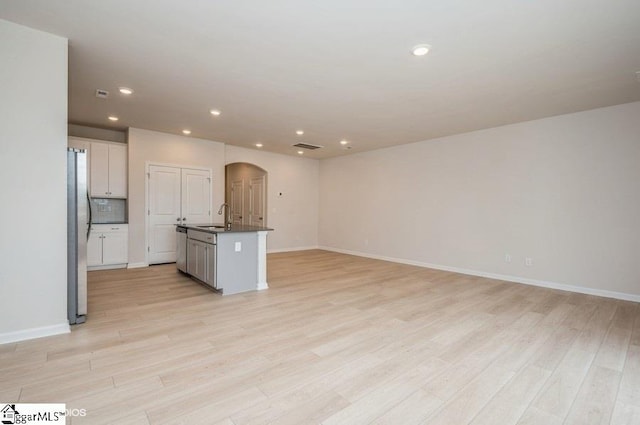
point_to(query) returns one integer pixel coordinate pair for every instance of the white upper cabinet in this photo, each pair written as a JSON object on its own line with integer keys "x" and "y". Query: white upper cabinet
{"x": 108, "y": 170}
{"x": 99, "y": 169}
{"x": 118, "y": 171}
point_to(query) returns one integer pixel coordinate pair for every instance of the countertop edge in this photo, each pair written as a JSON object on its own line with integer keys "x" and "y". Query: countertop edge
{"x": 234, "y": 229}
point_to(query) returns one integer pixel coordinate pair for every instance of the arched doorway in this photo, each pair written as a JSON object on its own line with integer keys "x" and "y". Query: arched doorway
{"x": 245, "y": 192}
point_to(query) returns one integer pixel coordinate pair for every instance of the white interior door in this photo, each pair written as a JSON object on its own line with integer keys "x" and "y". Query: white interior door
{"x": 164, "y": 213}
{"x": 256, "y": 202}
{"x": 237, "y": 201}
{"x": 196, "y": 196}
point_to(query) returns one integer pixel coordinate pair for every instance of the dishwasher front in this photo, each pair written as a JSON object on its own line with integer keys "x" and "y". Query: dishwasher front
{"x": 181, "y": 248}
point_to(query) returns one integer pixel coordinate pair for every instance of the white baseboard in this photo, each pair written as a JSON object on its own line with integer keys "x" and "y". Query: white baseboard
{"x": 107, "y": 267}
{"x": 262, "y": 286}
{"x": 137, "y": 265}
{"x": 517, "y": 279}
{"x": 300, "y": 248}
{"x": 32, "y": 333}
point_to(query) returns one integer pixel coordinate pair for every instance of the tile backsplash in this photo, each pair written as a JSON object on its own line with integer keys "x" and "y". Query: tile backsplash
{"x": 108, "y": 210}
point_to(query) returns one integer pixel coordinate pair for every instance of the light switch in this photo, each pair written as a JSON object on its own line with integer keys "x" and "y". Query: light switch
{"x": 238, "y": 246}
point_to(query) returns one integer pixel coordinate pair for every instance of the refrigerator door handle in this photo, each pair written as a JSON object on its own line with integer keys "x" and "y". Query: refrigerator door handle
{"x": 90, "y": 216}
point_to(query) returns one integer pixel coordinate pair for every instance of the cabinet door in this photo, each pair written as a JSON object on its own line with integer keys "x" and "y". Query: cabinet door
{"x": 94, "y": 249}
{"x": 210, "y": 269}
{"x": 192, "y": 249}
{"x": 201, "y": 258}
{"x": 117, "y": 171}
{"x": 115, "y": 248}
{"x": 99, "y": 166}
{"x": 196, "y": 259}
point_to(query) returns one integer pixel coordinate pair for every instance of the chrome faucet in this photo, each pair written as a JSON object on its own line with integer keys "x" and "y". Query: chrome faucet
{"x": 227, "y": 220}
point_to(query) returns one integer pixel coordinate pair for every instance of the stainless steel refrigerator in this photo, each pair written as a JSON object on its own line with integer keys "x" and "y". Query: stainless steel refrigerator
{"x": 78, "y": 227}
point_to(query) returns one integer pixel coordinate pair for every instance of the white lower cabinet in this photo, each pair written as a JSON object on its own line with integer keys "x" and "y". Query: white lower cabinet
{"x": 108, "y": 246}
{"x": 94, "y": 249}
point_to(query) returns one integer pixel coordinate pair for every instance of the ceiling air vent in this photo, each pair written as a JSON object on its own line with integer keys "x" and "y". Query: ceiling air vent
{"x": 307, "y": 146}
{"x": 102, "y": 94}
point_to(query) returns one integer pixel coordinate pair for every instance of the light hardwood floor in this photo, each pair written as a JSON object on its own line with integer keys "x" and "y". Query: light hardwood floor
{"x": 336, "y": 340}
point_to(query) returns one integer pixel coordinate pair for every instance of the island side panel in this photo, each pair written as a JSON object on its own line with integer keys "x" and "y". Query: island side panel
{"x": 262, "y": 261}
{"x": 237, "y": 270}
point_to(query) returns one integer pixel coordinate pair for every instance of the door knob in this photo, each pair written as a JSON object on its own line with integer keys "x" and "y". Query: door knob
{"x": 178, "y": 219}
{"x": 184, "y": 218}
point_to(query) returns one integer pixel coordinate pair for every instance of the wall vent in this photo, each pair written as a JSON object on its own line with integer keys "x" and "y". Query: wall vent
{"x": 307, "y": 146}
{"x": 102, "y": 94}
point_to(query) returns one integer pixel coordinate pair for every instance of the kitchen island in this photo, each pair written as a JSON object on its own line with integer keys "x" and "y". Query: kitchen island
{"x": 230, "y": 260}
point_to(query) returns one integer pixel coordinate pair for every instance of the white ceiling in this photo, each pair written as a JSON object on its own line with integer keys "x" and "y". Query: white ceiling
{"x": 339, "y": 69}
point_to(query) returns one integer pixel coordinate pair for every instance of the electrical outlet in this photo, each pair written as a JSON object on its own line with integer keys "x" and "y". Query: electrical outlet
{"x": 507, "y": 258}
{"x": 238, "y": 246}
{"x": 528, "y": 261}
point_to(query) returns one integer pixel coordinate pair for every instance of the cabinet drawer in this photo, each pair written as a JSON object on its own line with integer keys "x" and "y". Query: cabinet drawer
{"x": 106, "y": 228}
{"x": 201, "y": 236}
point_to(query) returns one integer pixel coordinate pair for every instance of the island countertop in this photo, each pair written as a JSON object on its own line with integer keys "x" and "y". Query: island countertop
{"x": 220, "y": 228}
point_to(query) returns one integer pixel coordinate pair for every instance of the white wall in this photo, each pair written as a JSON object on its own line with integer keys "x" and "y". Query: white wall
{"x": 294, "y": 214}
{"x": 564, "y": 191}
{"x": 95, "y": 133}
{"x": 153, "y": 146}
{"x": 33, "y": 164}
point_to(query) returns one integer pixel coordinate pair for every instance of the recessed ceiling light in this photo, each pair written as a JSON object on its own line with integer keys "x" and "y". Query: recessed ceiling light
{"x": 420, "y": 49}
{"x": 125, "y": 90}
{"x": 300, "y": 152}
{"x": 258, "y": 145}
{"x": 113, "y": 118}
{"x": 343, "y": 142}
{"x": 299, "y": 132}
{"x": 186, "y": 132}
{"x": 215, "y": 112}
